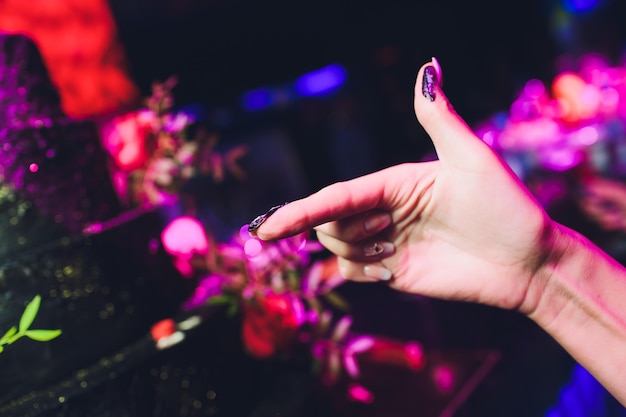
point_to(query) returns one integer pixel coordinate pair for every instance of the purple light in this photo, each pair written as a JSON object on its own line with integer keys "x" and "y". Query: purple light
{"x": 582, "y": 396}
{"x": 534, "y": 89}
{"x": 580, "y": 6}
{"x": 321, "y": 81}
{"x": 258, "y": 99}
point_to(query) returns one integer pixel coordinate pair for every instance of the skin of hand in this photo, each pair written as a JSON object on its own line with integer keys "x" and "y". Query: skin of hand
{"x": 457, "y": 228}
{"x": 464, "y": 228}
{"x": 604, "y": 201}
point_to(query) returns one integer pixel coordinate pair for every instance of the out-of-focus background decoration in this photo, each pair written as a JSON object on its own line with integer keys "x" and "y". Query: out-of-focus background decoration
{"x": 250, "y": 104}
{"x": 78, "y": 40}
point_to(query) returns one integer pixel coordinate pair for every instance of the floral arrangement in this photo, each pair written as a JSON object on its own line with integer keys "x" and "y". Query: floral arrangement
{"x": 283, "y": 292}
{"x": 153, "y": 154}
{"x": 285, "y": 299}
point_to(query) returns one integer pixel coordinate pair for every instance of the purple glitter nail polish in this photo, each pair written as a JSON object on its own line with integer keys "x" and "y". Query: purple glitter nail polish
{"x": 259, "y": 220}
{"x": 429, "y": 82}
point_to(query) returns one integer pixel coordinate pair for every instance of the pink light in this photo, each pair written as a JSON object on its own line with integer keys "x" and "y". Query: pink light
{"x": 561, "y": 159}
{"x": 183, "y": 266}
{"x": 489, "y": 137}
{"x": 244, "y": 234}
{"x": 588, "y": 135}
{"x": 208, "y": 287}
{"x": 520, "y": 109}
{"x": 444, "y": 378}
{"x": 361, "y": 344}
{"x": 184, "y": 236}
{"x": 299, "y": 313}
{"x": 358, "y": 345}
{"x": 349, "y": 363}
{"x": 359, "y": 393}
{"x": 590, "y": 100}
{"x": 33, "y": 167}
{"x": 415, "y": 355}
{"x": 252, "y": 247}
{"x": 609, "y": 100}
{"x": 153, "y": 246}
{"x": 534, "y": 89}
{"x": 124, "y": 138}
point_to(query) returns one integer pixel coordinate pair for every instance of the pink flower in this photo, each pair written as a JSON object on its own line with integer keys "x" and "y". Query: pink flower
{"x": 124, "y": 138}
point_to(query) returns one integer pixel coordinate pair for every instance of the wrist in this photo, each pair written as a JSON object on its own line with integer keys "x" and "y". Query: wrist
{"x": 555, "y": 248}
{"x": 577, "y": 275}
{"x": 577, "y": 296}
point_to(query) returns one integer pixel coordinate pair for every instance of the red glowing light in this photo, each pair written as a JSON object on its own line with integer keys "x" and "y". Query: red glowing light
{"x": 163, "y": 329}
{"x": 77, "y": 40}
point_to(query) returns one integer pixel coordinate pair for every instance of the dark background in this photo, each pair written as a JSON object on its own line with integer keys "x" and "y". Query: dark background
{"x": 488, "y": 49}
{"x": 221, "y": 48}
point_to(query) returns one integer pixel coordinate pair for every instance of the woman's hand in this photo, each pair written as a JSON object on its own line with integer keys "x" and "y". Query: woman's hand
{"x": 459, "y": 228}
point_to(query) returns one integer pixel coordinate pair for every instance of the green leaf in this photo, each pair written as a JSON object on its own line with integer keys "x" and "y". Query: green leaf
{"x": 8, "y": 335}
{"x": 29, "y": 314}
{"x": 42, "y": 335}
{"x": 219, "y": 299}
{"x": 293, "y": 280}
{"x": 232, "y": 310}
{"x": 337, "y": 301}
{"x": 14, "y": 338}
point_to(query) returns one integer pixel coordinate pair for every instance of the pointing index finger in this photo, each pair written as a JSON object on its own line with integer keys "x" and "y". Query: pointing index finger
{"x": 333, "y": 202}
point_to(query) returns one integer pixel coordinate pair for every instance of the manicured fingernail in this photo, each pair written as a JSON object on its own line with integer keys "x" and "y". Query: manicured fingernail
{"x": 438, "y": 71}
{"x": 379, "y": 248}
{"x": 378, "y": 272}
{"x": 429, "y": 83}
{"x": 377, "y": 222}
{"x": 259, "y": 220}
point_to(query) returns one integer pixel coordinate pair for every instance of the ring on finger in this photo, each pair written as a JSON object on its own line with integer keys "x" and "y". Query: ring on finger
{"x": 378, "y": 248}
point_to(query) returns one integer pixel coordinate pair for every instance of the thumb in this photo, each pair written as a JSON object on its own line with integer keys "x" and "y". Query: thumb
{"x": 454, "y": 140}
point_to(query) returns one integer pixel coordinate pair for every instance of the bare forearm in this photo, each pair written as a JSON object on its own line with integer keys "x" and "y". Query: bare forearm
{"x": 579, "y": 298}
